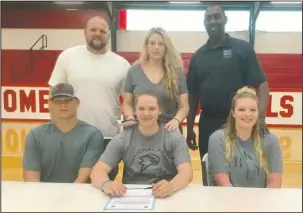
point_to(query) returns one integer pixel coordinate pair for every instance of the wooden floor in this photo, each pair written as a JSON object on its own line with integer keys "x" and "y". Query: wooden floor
{"x": 14, "y": 134}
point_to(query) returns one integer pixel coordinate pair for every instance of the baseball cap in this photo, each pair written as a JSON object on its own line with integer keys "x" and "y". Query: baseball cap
{"x": 63, "y": 90}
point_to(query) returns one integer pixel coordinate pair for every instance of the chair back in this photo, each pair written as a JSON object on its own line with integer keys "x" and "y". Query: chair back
{"x": 206, "y": 177}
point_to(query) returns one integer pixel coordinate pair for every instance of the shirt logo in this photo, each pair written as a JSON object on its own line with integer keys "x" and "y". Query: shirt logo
{"x": 148, "y": 160}
{"x": 227, "y": 54}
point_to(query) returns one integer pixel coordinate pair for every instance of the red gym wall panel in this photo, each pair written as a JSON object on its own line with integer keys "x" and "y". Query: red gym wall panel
{"x": 49, "y": 18}
{"x": 282, "y": 70}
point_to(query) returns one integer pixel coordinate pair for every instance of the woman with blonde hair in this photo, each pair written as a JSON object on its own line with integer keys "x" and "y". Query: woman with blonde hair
{"x": 159, "y": 69}
{"x": 237, "y": 154}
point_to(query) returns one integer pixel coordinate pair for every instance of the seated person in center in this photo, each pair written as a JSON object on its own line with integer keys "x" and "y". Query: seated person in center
{"x": 65, "y": 149}
{"x": 237, "y": 155}
{"x": 150, "y": 153}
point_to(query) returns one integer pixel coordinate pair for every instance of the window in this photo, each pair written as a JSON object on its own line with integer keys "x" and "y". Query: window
{"x": 168, "y": 19}
{"x": 237, "y": 21}
{"x": 176, "y": 20}
{"x": 279, "y": 21}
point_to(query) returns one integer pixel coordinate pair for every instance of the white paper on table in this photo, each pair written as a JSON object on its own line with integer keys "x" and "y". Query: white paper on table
{"x": 130, "y": 203}
{"x": 135, "y": 198}
{"x": 138, "y": 190}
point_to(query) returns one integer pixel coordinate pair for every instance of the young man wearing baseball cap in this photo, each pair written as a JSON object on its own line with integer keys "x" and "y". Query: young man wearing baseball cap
{"x": 65, "y": 149}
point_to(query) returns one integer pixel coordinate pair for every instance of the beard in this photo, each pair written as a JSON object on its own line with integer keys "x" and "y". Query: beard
{"x": 97, "y": 47}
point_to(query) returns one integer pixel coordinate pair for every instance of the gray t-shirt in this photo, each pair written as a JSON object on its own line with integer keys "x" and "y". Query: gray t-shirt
{"x": 244, "y": 169}
{"x": 147, "y": 159}
{"x": 136, "y": 81}
{"x": 58, "y": 156}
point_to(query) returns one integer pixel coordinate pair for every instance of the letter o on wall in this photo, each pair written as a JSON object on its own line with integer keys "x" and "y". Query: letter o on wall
{"x": 11, "y": 142}
{"x": 10, "y": 100}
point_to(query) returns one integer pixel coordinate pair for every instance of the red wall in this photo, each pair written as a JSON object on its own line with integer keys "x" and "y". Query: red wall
{"x": 16, "y": 69}
{"x": 48, "y": 18}
{"x": 282, "y": 70}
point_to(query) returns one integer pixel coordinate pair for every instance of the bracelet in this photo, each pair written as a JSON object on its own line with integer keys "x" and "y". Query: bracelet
{"x": 103, "y": 184}
{"x": 177, "y": 119}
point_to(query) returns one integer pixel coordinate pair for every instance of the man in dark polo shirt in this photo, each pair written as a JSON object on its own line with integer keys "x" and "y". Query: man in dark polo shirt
{"x": 216, "y": 71}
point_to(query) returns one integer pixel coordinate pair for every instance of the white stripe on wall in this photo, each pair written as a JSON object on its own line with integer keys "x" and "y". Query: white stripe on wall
{"x": 131, "y": 41}
{"x": 57, "y": 39}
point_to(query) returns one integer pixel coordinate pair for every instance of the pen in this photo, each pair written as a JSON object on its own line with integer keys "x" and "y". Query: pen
{"x": 150, "y": 187}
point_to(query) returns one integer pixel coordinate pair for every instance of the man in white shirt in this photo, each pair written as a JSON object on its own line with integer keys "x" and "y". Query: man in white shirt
{"x": 97, "y": 75}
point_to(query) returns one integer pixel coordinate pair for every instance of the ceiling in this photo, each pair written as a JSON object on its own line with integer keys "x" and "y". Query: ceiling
{"x": 202, "y": 5}
{"x": 165, "y": 5}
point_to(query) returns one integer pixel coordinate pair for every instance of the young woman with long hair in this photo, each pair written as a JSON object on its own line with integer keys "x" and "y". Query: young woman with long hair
{"x": 238, "y": 155}
{"x": 159, "y": 69}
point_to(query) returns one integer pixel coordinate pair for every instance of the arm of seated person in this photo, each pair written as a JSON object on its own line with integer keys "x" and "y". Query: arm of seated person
{"x": 100, "y": 180}
{"x": 182, "y": 160}
{"x": 31, "y": 176}
{"x": 274, "y": 180}
{"x": 94, "y": 150}
{"x": 31, "y": 159}
{"x": 222, "y": 179}
{"x": 275, "y": 163}
{"x": 83, "y": 175}
{"x": 166, "y": 188}
{"x": 99, "y": 174}
{"x": 183, "y": 178}
{"x": 217, "y": 165}
{"x": 108, "y": 160}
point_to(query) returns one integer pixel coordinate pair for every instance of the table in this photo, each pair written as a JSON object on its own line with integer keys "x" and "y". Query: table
{"x": 55, "y": 197}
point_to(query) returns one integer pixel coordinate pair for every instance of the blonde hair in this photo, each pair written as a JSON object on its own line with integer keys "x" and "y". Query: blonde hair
{"x": 172, "y": 62}
{"x": 230, "y": 130}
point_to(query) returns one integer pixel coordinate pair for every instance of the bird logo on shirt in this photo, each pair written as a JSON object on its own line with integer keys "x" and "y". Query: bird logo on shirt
{"x": 148, "y": 160}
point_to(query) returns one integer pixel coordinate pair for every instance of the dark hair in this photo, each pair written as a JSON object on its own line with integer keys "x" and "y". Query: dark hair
{"x": 216, "y": 5}
{"x": 147, "y": 93}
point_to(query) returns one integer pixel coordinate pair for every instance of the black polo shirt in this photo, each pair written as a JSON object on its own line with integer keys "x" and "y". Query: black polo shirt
{"x": 215, "y": 74}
